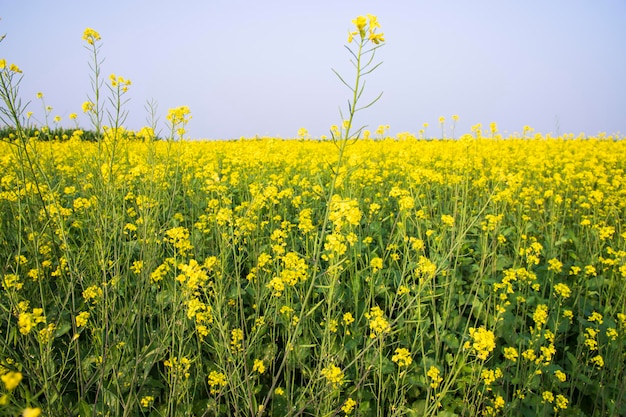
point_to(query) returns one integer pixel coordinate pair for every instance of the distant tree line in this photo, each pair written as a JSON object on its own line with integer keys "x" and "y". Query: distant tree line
{"x": 9, "y": 133}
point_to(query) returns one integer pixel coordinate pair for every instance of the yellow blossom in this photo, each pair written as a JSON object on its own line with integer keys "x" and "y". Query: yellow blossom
{"x": 547, "y": 396}
{"x": 377, "y": 322}
{"x": 561, "y": 402}
{"x": 511, "y": 353}
{"x": 31, "y": 412}
{"x": 217, "y": 380}
{"x": 560, "y": 375}
{"x": 598, "y": 361}
{"x": 333, "y": 374}
{"x": 540, "y": 316}
{"x": 91, "y": 36}
{"x": 435, "y": 376}
{"x": 562, "y": 290}
{"x": 348, "y": 406}
{"x": 402, "y": 357}
{"x": 258, "y": 366}
{"x": 147, "y": 401}
{"x": 595, "y": 317}
{"x": 11, "y": 380}
{"x": 483, "y": 342}
{"x": 555, "y": 265}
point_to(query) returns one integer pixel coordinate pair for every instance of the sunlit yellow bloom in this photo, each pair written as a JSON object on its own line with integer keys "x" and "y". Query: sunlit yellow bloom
{"x": 598, "y": 361}
{"x": 334, "y": 375}
{"x": 31, "y": 412}
{"x": 547, "y": 396}
{"x": 93, "y": 294}
{"x": 483, "y": 342}
{"x": 447, "y": 220}
{"x": 595, "y": 317}
{"x": 562, "y": 290}
{"x": 612, "y": 333}
{"x": 360, "y": 22}
{"x": 489, "y": 376}
{"x": 561, "y": 402}
{"x": 147, "y": 401}
{"x": 26, "y": 321}
{"x": 11, "y": 380}
{"x": 91, "y": 36}
{"x": 217, "y": 380}
{"x": 540, "y": 316}
{"x": 435, "y": 376}
{"x": 511, "y": 353}
{"x": 402, "y": 357}
{"x": 560, "y": 375}
{"x": 403, "y": 289}
{"x": 376, "y": 264}
{"x": 348, "y": 406}
{"x": 555, "y": 265}
{"x": 87, "y": 106}
{"x": 82, "y": 318}
{"x": 377, "y": 322}
{"x": 258, "y": 366}
{"x": 236, "y": 340}
{"x": 377, "y": 38}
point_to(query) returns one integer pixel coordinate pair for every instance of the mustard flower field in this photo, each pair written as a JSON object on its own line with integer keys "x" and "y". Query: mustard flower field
{"x": 468, "y": 277}
{"x": 356, "y": 275}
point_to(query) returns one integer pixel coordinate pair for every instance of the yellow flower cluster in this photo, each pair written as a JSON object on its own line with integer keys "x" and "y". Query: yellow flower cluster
{"x": 26, "y": 321}
{"x": 435, "y": 376}
{"x": 217, "y": 380}
{"x": 402, "y": 357}
{"x": 334, "y": 375}
{"x": 178, "y": 367}
{"x": 11, "y": 380}
{"x": 12, "y": 67}
{"x": 377, "y": 322}
{"x": 348, "y": 406}
{"x": 119, "y": 82}
{"x": 258, "y": 366}
{"x": 366, "y": 29}
{"x": 483, "y": 342}
{"x": 91, "y": 36}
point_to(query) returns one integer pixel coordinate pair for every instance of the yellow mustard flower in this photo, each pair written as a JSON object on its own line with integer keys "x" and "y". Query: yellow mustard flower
{"x": 258, "y": 366}
{"x": 217, "y": 380}
{"x": 91, "y": 36}
{"x": 511, "y": 353}
{"x": 377, "y": 322}
{"x": 402, "y": 357}
{"x": 435, "y": 376}
{"x": 483, "y": 342}
{"x": 333, "y": 374}
{"x": 147, "y": 401}
{"x": 31, "y": 412}
{"x": 348, "y": 406}
{"x": 11, "y": 380}
{"x": 560, "y": 375}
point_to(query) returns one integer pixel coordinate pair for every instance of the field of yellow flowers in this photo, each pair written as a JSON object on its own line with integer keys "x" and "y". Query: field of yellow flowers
{"x": 350, "y": 276}
{"x": 468, "y": 277}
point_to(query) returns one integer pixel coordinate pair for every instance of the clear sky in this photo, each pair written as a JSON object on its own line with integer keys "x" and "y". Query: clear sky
{"x": 252, "y": 67}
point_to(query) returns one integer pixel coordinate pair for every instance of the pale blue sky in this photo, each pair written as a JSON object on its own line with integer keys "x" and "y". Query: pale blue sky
{"x": 250, "y": 68}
